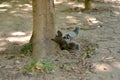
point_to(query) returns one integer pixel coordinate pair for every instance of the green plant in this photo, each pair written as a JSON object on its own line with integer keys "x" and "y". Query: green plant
{"x": 48, "y": 66}
{"x": 26, "y": 49}
{"x": 43, "y": 66}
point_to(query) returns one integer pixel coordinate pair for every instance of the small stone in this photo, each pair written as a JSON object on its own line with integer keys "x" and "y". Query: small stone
{"x": 17, "y": 62}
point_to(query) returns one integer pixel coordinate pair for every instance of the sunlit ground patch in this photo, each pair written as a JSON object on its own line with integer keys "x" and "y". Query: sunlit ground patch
{"x": 18, "y": 39}
{"x": 18, "y": 33}
{"x": 102, "y": 67}
{"x": 116, "y": 64}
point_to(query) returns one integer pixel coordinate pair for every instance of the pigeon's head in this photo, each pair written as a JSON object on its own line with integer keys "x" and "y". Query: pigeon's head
{"x": 77, "y": 28}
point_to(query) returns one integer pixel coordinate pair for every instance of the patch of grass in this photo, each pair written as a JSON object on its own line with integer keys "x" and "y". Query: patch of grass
{"x": 26, "y": 49}
{"x": 43, "y": 66}
{"x": 48, "y": 66}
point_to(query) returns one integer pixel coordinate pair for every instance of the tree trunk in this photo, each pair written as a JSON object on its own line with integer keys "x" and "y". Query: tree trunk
{"x": 87, "y": 5}
{"x": 43, "y": 28}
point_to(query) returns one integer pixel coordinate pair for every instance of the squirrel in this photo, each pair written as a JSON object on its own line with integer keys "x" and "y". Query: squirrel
{"x": 60, "y": 40}
{"x": 64, "y": 45}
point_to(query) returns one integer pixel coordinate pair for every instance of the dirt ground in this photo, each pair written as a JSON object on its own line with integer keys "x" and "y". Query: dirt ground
{"x": 101, "y": 25}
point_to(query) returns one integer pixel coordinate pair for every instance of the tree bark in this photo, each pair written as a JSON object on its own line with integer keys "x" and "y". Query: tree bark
{"x": 43, "y": 28}
{"x": 87, "y": 5}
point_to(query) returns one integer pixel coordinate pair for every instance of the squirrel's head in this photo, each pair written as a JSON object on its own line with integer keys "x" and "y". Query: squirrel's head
{"x": 59, "y": 34}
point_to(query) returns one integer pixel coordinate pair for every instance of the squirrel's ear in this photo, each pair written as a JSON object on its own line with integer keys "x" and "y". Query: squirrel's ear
{"x": 59, "y": 33}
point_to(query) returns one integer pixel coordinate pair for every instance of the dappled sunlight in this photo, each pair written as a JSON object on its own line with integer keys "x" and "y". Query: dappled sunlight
{"x": 12, "y": 12}
{"x": 2, "y": 48}
{"x": 107, "y": 64}
{"x": 19, "y": 39}
{"x": 117, "y": 1}
{"x": 116, "y": 64}
{"x": 57, "y": 2}
{"x": 18, "y": 33}
{"x": 108, "y": 59}
{"x": 117, "y": 12}
{"x": 5, "y": 4}
{"x": 102, "y": 67}
{"x": 61, "y": 1}
{"x": 1, "y": 39}
{"x": 79, "y": 5}
{"x": 3, "y": 10}
{"x": 13, "y": 40}
{"x": 16, "y": 8}
{"x": 22, "y": 10}
{"x": 25, "y": 7}
{"x": 2, "y": 43}
{"x": 99, "y": 26}
{"x": 73, "y": 4}
{"x": 19, "y": 36}
{"x": 71, "y": 19}
{"x": 116, "y": 6}
{"x": 70, "y": 3}
{"x": 92, "y": 20}
{"x": 16, "y": 23}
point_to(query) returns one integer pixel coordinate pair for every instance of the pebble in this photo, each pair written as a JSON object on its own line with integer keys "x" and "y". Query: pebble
{"x": 17, "y": 62}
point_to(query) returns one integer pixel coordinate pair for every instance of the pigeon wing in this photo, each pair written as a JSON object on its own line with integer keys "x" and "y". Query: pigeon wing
{"x": 72, "y": 35}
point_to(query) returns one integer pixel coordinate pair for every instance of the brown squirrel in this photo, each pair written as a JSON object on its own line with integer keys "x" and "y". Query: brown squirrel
{"x": 64, "y": 45}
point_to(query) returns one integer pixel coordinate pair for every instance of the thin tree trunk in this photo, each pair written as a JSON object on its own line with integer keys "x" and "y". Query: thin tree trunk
{"x": 87, "y": 5}
{"x": 43, "y": 28}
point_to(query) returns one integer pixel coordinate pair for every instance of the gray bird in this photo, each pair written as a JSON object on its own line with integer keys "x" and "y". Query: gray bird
{"x": 73, "y": 34}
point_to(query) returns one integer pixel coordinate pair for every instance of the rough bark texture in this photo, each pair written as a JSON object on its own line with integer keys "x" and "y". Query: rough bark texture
{"x": 43, "y": 28}
{"x": 87, "y": 5}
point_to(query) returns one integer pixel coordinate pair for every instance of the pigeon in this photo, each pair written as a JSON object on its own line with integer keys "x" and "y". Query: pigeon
{"x": 73, "y": 34}
{"x": 63, "y": 44}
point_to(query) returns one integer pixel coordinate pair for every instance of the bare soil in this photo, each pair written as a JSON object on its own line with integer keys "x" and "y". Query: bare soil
{"x": 100, "y": 25}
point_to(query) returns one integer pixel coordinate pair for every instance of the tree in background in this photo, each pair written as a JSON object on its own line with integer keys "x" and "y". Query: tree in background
{"x": 43, "y": 28}
{"x": 87, "y": 5}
